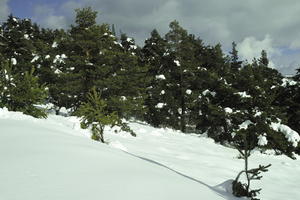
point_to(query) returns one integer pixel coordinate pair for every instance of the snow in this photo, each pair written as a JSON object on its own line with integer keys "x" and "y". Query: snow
{"x": 202, "y": 68}
{"x": 13, "y": 61}
{"x": 245, "y": 125}
{"x": 160, "y": 105}
{"x": 288, "y": 82}
{"x": 291, "y": 135}
{"x": 57, "y": 71}
{"x": 115, "y": 42}
{"x": 129, "y": 39}
{"x": 26, "y": 36}
{"x": 257, "y": 114}
{"x": 205, "y": 92}
{"x": 123, "y": 98}
{"x": 228, "y": 110}
{"x": 55, "y": 159}
{"x": 133, "y": 46}
{"x": 60, "y": 58}
{"x": 54, "y": 45}
{"x": 35, "y": 58}
{"x": 160, "y": 77}
{"x": 243, "y": 94}
{"x": 63, "y": 56}
{"x": 262, "y": 140}
{"x": 179, "y": 110}
{"x": 177, "y": 62}
{"x": 188, "y": 91}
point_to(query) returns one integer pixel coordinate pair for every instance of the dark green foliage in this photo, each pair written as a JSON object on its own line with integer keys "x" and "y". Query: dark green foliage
{"x": 245, "y": 142}
{"x": 289, "y": 99}
{"x": 173, "y": 68}
{"x": 96, "y": 59}
{"x": 153, "y": 55}
{"x": 234, "y": 58}
{"x": 85, "y": 17}
{"x": 21, "y": 92}
{"x": 95, "y": 115}
{"x": 22, "y": 88}
{"x": 263, "y": 60}
{"x": 254, "y": 114}
{"x": 17, "y": 46}
{"x": 243, "y": 190}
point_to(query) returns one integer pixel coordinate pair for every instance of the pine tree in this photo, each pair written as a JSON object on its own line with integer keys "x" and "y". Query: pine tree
{"x": 22, "y": 92}
{"x": 263, "y": 60}
{"x": 257, "y": 121}
{"x": 18, "y": 47}
{"x": 81, "y": 47}
{"x": 235, "y": 63}
{"x": 289, "y": 98}
{"x": 181, "y": 65}
{"x": 94, "y": 58}
{"x": 95, "y": 115}
{"x": 154, "y": 55}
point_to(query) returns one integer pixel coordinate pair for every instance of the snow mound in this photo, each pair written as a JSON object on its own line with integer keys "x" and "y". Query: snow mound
{"x": 291, "y": 135}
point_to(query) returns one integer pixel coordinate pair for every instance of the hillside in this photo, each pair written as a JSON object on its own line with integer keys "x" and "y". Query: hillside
{"x": 53, "y": 159}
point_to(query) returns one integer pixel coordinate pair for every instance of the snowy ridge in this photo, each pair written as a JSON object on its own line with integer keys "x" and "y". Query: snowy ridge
{"x": 56, "y": 159}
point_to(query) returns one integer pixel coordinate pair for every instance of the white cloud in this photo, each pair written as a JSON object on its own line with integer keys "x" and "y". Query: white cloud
{"x": 251, "y": 48}
{"x": 4, "y": 10}
{"x": 295, "y": 44}
{"x": 58, "y": 22}
{"x": 47, "y": 17}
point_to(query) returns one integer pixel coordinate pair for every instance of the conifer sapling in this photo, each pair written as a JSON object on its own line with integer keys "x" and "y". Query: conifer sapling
{"x": 95, "y": 115}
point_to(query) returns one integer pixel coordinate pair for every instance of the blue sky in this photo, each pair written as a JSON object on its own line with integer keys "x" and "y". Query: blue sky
{"x": 254, "y": 25}
{"x": 25, "y": 8}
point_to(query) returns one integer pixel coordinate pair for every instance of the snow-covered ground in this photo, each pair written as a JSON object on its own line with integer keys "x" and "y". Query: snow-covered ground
{"x": 53, "y": 159}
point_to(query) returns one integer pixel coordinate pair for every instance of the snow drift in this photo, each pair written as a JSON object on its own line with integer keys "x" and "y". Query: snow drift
{"x": 53, "y": 159}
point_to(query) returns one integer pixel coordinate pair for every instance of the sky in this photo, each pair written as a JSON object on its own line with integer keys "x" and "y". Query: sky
{"x": 272, "y": 25}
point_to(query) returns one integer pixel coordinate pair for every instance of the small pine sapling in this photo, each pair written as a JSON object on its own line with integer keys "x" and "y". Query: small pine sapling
{"x": 95, "y": 115}
{"x": 245, "y": 142}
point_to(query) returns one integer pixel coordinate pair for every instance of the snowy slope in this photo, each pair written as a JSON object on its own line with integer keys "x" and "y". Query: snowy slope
{"x": 54, "y": 159}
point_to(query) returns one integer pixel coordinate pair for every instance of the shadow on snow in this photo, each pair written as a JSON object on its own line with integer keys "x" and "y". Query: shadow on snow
{"x": 224, "y": 189}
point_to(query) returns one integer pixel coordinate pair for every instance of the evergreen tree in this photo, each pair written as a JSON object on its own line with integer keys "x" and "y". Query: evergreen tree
{"x": 263, "y": 60}
{"x": 17, "y": 46}
{"x": 22, "y": 92}
{"x": 95, "y": 115}
{"x": 96, "y": 59}
{"x": 181, "y": 64}
{"x": 154, "y": 55}
{"x": 289, "y": 98}
{"x": 85, "y": 17}
{"x": 213, "y": 81}
{"x": 257, "y": 121}
{"x": 235, "y": 63}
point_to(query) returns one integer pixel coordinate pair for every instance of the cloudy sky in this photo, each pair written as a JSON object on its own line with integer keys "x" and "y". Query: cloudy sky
{"x": 254, "y": 25}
